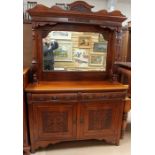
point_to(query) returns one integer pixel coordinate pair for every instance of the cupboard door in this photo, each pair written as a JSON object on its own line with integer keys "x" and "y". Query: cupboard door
{"x": 99, "y": 119}
{"x": 53, "y": 121}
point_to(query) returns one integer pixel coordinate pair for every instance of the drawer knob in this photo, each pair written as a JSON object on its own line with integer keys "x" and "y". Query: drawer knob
{"x": 54, "y": 98}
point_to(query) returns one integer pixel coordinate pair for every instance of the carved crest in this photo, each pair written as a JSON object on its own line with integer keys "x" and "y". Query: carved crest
{"x": 78, "y": 10}
{"x": 80, "y": 6}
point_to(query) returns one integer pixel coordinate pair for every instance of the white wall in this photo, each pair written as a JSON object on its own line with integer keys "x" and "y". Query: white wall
{"x": 123, "y": 5}
{"x": 99, "y": 4}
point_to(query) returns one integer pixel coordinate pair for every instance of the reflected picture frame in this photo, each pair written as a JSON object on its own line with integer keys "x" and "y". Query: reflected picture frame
{"x": 100, "y": 47}
{"x": 96, "y": 59}
{"x": 64, "y": 51}
{"x": 61, "y": 35}
{"x": 85, "y": 41}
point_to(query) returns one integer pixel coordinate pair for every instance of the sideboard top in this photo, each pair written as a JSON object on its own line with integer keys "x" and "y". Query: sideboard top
{"x": 69, "y": 86}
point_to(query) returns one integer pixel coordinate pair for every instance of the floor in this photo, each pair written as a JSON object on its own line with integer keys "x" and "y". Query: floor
{"x": 92, "y": 147}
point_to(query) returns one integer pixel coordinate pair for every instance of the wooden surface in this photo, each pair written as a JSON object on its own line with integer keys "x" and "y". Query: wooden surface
{"x": 125, "y": 50}
{"x": 76, "y": 75}
{"x": 82, "y": 9}
{"x": 26, "y": 144}
{"x": 124, "y": 64}
{"x": 27, "y": 45}
{"x": 66, "y": 106}
{"x": 124, "y": 70}
{"x": 74, "y": 86}
{"x": 79, "y": 110}
{"x": 79, "y": 18}
{"x": 75, "y": 115}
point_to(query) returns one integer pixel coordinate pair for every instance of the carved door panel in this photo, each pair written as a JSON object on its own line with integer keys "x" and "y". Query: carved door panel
{"x": 100, "y": 118}
{"x": 54, "y": 121}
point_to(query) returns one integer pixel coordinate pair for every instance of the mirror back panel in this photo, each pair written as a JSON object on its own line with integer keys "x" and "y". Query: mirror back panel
{"x": 74, "y": 44}
{"x": 74, "y": 52}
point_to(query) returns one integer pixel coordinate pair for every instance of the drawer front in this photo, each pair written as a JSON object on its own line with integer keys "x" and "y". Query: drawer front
{"x": 54, "y": 97}
{"x": 65, "y": 97}
{"x": 103, "y": 96}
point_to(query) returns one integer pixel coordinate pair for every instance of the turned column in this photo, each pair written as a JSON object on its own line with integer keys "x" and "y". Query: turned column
{"x": 34, "y": 64}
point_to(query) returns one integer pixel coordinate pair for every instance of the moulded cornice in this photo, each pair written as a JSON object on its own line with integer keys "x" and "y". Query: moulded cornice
{"x": 77, "y": 9}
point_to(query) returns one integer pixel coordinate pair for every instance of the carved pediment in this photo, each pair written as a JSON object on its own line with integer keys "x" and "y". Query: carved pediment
{"x": 106, "y": 13}
{"x": 78, "y": 12}
{"x": 80, "y": 6}
{"x": 42, "y": 8}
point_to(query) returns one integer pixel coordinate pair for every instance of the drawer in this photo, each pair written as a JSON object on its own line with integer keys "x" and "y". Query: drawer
{"x": 54, "y": 97}
{"x": 103, "y": 96}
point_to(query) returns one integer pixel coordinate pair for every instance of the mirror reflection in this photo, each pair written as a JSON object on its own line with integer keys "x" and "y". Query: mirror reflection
{"x": 74, "y": 51}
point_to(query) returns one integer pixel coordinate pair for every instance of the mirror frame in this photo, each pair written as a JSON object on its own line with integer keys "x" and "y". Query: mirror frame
{"x": 78, "y": 18}
{"x": 68, "y": 75}
{"x": 69, "y": 63}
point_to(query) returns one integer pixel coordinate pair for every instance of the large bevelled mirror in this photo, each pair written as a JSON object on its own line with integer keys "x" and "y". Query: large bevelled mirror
{"x": 74, "y": 51}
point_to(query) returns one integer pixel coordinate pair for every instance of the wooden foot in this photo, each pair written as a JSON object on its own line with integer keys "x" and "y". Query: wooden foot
{"x": 26, "y": 153}
{"x": 26, "y": 150}
{"x": 32, "y": 150}
{"x": 124, "y": 124}
{"x": 117, "y": 143}
{"x": 113, "y": 141}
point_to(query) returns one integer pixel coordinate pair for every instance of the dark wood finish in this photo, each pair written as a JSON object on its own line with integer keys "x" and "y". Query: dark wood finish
{"x": 62, "y": 76}
{"x": 51, "y": 122}
{"x": 125, "y": 50}
{"x": 101, "y": 120}
{"x": 27, "y": 45}
{"x": 66, "y": 106}
{"x": 129, "y": 43}
{"x": 26, "y": 144}
{"x": 47, "y": 14}
{"x": 124, "y": 71}
{"x": 78, "y": 18}
{"x": 65, "y": 111}
{"x": 80, "y": 6}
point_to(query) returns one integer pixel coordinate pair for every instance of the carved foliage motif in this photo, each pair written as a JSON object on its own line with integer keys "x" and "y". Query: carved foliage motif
{"x": 80, "y": 6}
{"x": 74, "y": 8}
{"x": 55, "y": 121}
{"x": 103, "y": 96}
{"x": 41, "y": 24}
{"x": 100, "y": 119}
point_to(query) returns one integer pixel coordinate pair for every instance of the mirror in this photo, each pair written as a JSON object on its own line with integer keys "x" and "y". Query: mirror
{"x": 74, "y": 51}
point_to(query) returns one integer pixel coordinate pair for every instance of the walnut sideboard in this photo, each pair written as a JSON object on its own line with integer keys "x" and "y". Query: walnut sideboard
{"x": 68, "y": 111}
{"x": 75, "y": 100}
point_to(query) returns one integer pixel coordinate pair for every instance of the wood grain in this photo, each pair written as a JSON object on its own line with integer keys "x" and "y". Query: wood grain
{"x": 67, "y": 106}
{"x": 68, "y": 86}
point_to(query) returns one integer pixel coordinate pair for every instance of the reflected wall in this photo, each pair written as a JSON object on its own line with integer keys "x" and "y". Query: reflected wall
{"x": 74, "y": 51}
